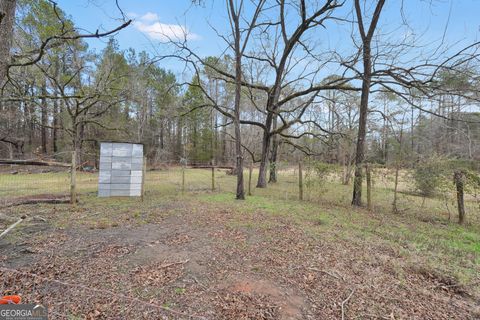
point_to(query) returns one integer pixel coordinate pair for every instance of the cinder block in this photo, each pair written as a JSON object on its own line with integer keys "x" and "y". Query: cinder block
{"x": 106, "y": 149}
{"x": 121, "y": 179}
{"x": 136, "y": 179}
{"x": 105, "y": 166}
{"x": 104, "y": 177}
{"x": 120, "y": 193}
{"x": 120, "y": 186}
{"x": 137, "y": 150}
{"x": 121, "y": 166}
{"x": 135, "y": 193}
{"x": 122, "y": 150}
{"x": 103, "y": 193}
{"x": 136, "y": 173}
{"x": 121, "y": 173}
{"x": 104, "y": 186}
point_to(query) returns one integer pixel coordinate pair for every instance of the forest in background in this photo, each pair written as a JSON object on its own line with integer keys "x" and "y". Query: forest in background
{"x": 268, "y": 99}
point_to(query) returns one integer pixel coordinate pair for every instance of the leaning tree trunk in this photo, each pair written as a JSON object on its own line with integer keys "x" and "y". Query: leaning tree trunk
{"x": 459, "y": 180}
{"x": 7, "y": 18}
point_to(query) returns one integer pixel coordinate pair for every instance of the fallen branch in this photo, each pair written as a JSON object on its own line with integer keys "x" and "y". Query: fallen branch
{"x": 173, "y": 263}
{"x": 344, "y": 302}
{"x": 336, "y": 276}
{"x": 35, "y": 163}
{"x": 36, "y": 201}
{"x": 4, "y": 233}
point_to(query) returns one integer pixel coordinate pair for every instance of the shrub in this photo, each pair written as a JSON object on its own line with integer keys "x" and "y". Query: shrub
{"x": 428, "y": 177}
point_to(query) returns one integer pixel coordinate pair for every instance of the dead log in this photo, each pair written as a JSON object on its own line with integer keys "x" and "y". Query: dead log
{"x": 35, "y": 163}
{"x": 36, "y": 201}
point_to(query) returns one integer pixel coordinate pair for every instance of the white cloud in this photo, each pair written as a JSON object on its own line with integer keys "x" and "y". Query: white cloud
{"x": 150, "y": 25}
{"x": 149, "y": 17}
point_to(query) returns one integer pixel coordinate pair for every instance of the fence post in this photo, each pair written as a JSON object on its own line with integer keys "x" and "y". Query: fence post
{"x": 144, "y": 175}
{"x": 73, "y": 179}
{"x": 213, "y": 178}
{"x": 250, "y": 179}
{"x": 459, "y": 180}
{"x": 300, "y": 181}
{"x": 369, "y": 187}
{"x": 183, "y": 178}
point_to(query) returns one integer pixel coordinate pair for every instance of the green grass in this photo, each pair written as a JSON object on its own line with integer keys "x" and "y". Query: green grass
{"x": 418, "y": 233}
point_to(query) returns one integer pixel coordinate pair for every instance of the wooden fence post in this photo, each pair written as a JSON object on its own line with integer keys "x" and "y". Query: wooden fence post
{"x": 369, "y": 186}
{"x": 183, "y": 179}
{"x": 250, "y": 179}
{"x": 459, "y": 180}
{"x": 73, "y": 179}
{"x": 300, "y": 181}
{"x": 144, "y": 176}
{"x": 213, "y": 178}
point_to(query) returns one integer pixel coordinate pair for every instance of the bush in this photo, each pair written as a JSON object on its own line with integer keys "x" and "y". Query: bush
{"x": 436, "y": 176}
{"x": 429, "y": 176}
{"x": 317, "y": 173}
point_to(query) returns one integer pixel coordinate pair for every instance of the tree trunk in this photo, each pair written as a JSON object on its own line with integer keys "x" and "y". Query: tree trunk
{"x": 273, "y": 155}
{"x": 459, "y": 179}
{"x": 366, "y": 81}
{"x": 362, "y": 128}
{"x": 178, "y": 136}
{"x": 238, "y": 90}
{"x": 55, "y": 126}
{"x": 7, "y": 18}
{"x": 44, "y": 119}
{"x": 262, "y": 170}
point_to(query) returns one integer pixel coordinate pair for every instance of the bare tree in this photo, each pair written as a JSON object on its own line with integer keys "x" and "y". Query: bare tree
{"x": 235, "y": 9}
{"x": 366, "y": 36}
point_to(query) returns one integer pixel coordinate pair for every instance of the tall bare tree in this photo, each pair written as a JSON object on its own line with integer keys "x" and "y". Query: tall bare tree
{"x": 366, "y": 36}
{"x": 235, "y": 9}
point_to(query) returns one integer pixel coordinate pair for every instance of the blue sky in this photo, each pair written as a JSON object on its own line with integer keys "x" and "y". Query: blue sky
{"x": 153, "y": 17}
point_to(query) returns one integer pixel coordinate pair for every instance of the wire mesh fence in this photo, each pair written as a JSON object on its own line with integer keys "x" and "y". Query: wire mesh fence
{"x": 19, "y": 182}
{"x": 320, "y": 183}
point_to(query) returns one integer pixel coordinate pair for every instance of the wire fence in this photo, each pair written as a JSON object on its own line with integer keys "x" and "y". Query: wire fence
{"x": 319, "y": 183}
{"x": 307, "y": 182}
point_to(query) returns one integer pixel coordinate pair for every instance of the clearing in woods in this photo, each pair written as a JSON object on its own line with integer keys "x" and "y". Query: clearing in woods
{"x": 203, "y": 254}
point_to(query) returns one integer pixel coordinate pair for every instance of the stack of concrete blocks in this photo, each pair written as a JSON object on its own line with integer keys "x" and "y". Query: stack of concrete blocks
{"x": 121, "y": 171}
